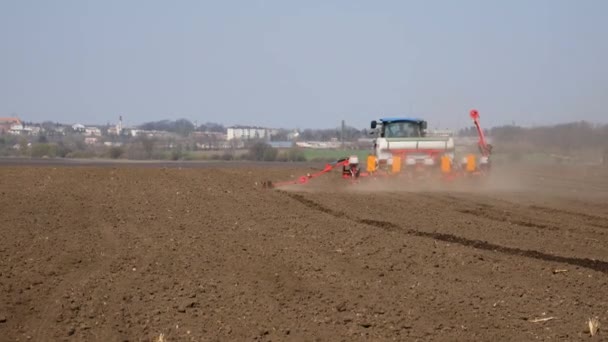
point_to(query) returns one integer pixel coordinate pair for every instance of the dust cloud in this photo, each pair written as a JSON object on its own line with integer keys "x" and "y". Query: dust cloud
{"x": 500, "y": 181}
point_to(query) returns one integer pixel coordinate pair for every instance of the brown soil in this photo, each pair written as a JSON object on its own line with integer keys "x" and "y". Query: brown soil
{"x": 129, "y": 253}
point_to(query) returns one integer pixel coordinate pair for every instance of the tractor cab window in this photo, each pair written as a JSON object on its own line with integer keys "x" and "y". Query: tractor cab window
{"x": 403, "y": 129}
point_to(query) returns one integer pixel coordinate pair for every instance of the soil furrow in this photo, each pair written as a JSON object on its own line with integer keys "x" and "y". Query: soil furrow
{"x": 596, "y": 265}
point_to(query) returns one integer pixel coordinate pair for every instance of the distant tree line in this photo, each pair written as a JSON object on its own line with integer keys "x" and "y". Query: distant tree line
{"x": 182, "y": 127}
{"x": 561, "y": 139}
{"x": 261, "y": 151}
{"x": 211, "y": 127}
{"x": 350, "y": 134}
{"x": 565, "y": 137}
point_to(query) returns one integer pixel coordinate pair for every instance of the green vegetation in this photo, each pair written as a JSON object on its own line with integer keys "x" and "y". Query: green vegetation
{"x": 43, "y": 150}
{"x": 182, "y": 127}
{"x": 292, "y": 155}
{"x": 265, "y": 152}
{"x": 262, "y": 152}
{"x": 116, "y": 152}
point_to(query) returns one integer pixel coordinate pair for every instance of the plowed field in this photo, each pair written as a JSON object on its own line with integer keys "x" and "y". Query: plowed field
{"x": 127, "y": 253}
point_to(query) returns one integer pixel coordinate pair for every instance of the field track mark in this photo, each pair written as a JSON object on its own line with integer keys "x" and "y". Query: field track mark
{"x": 314, "y": 205}
{"x": 76, "y": 279}
{"x": 596, "y": 265}
{"x": 592, "y": 219}
{"x": 488, "y": 215}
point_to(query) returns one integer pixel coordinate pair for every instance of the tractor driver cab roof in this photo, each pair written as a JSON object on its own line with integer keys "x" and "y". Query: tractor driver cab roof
{"x": 388, "y": 120}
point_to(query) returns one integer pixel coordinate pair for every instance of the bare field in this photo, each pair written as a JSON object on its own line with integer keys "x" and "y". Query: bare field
{"x": 127, "y": 253}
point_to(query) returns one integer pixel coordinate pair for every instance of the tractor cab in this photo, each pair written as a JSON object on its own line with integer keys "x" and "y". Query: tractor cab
{"x": 399, "y": 128}
{"x": 406, "y": 140}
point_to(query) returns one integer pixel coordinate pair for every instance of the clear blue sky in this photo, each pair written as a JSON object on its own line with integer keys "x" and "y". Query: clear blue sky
{"x": 304, "y": 63}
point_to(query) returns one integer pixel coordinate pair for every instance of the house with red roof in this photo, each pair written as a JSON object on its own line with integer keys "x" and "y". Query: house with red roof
{"x": 7, "y": 123}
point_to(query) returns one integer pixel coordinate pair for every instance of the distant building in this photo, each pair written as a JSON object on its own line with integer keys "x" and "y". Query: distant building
{"x": 247, "y": 133}
{"x": 293, "y": 135}
{"x": 146, "y": 133}
{"x": 92, "y": 132}
{"x": 112, "y": 130}
{"x": 78, "y": 128}
{"x": 35, "y": 130}
{"x": 21, "y": 129}
{"x": 118, "y": 129}
{"x": 91, "y": 140}
{"x": 319, "y": 144}
{"x": 281, "y": 144}
{"x": 210, "y": 140}
{"x": 57, "y": 130}
{"x": 209, "y": 135}
{"x": 6, "y": 123}
{"x": 16, "y": 129}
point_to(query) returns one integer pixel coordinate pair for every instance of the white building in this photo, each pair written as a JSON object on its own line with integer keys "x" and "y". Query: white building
{"x": 21, "y": 129}
{"x": 17, "y": 127}
{"x": 91, "y": 140}
{"x": 78, "y": 127}
{"x": 92, "y": 132}
{"x": 60, "y": 130}
{"x": 35, "y": 130}
{"x": 247, "y": 133}
{"x": 117, "y": 129}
